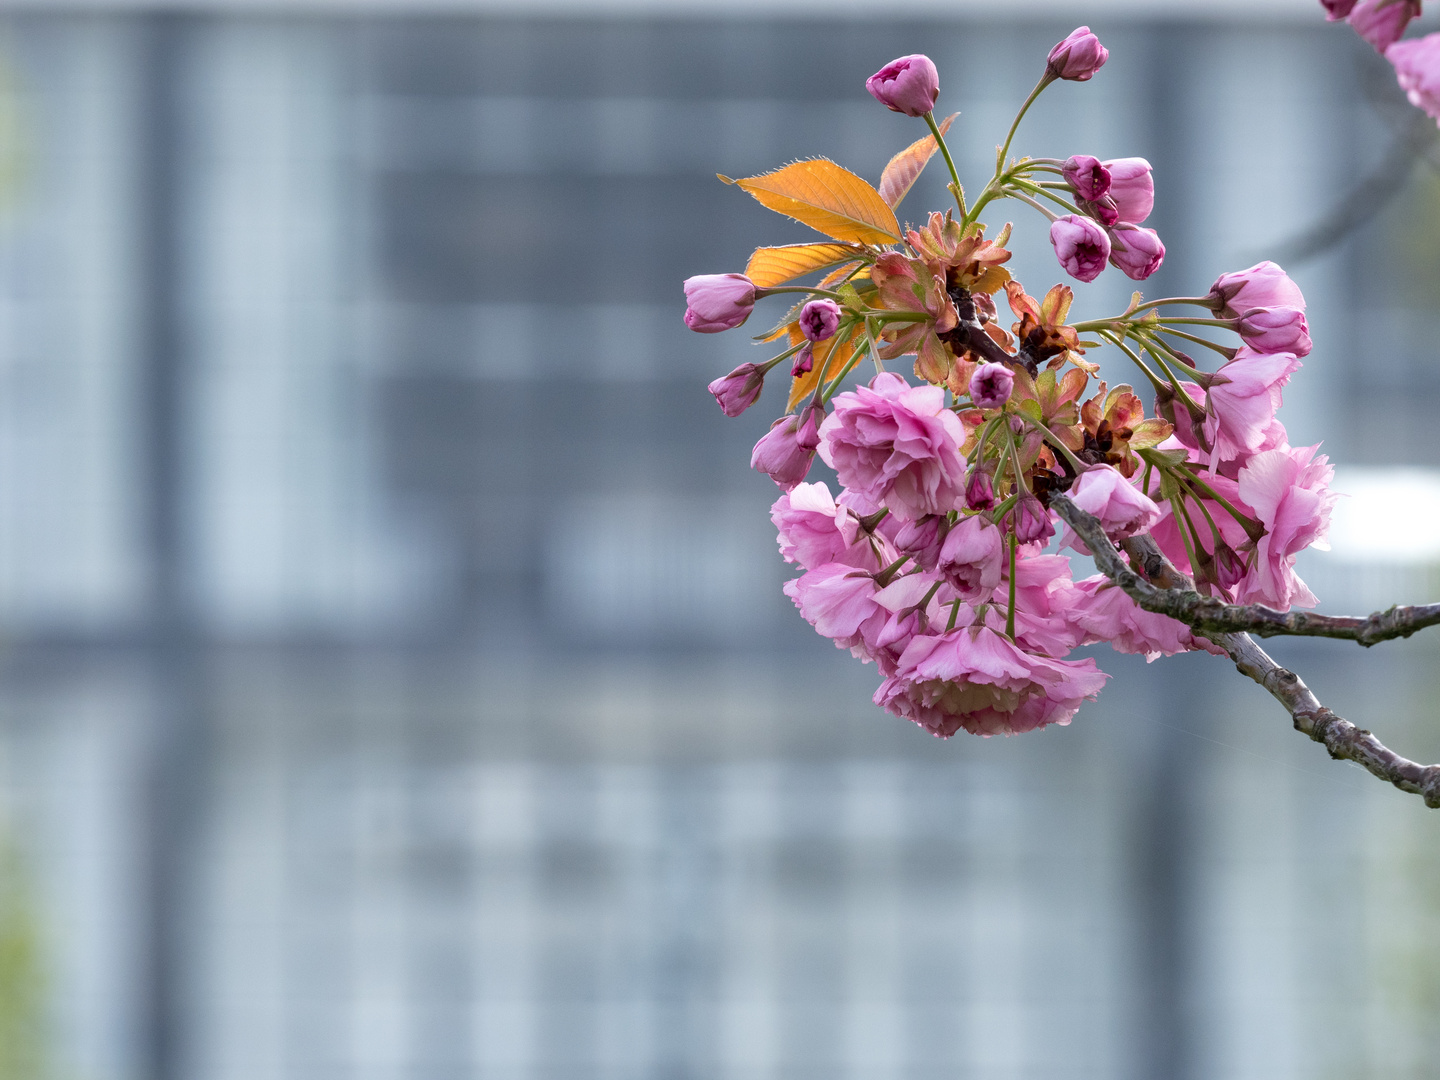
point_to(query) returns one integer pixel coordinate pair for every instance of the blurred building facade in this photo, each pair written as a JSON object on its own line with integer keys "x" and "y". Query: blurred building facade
{"x": 395, "y": 680}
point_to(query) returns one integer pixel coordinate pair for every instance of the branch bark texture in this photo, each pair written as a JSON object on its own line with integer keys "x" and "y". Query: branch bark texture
{"x": 1155, "y": 584}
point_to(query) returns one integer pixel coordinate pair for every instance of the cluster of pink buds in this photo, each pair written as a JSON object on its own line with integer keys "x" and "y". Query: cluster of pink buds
{"x": 1383, "y": 23}
{"x": 937, "y": 554}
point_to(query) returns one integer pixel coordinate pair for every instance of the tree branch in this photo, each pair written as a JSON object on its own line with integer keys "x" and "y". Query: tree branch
{"x": 1340, "y": 737}
{"x": 1210, "y": 615}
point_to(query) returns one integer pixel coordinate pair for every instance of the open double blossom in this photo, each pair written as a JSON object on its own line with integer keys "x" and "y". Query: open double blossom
{"x": 933, "y": 558}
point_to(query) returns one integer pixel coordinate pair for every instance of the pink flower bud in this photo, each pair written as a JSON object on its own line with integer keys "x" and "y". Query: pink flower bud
{"x": 1263, "y": 285}
{"x": 804, "y": 360}
{"x": 718, "y": 302}
{"x": 1032, "y": 521}
{"x": 908, "y": 85}
{"x": 1132, "y": 187}
{"x": 819, "y": 319}
{"x": 1078, "y": 57}
{"x": 1417, "y": 69}
{"x": 1335, "y": 10}
{"x": 1275, "y": 330}
{"x": 990, "y": 386}
{"x": 1089, "y": 178}
{"x": 1381, "y": 22}
{"x": 922, "y": 539}
{"x": 980, "y": 488}
{"x": 786, "y": 451}
{"x": 739, "y": 390}
{"x": 1081, "y": 246}
{"x": 1137, "y": 252}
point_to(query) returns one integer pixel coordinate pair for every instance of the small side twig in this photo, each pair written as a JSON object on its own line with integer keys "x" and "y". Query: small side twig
{"x": 1158, "y": 582}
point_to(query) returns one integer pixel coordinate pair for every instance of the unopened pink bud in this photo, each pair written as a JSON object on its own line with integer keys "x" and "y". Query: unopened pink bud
{"x": 922, "y": 539}
{"x": 1132, "y": 187}
{"x": 804, "y": 360}
{"x": 1417, "y": 69}
{"x": 1382, "y": 22}
{"x": 908, "y": 85}
{"x": 1263, "y": 285}
{"x": 1137, "y": 252}
{"x": 1335, "y": 10}
{"x": 1078, "y": 57}
{"x": 1089, "y": 178}
{"x": 1032, "y": 521}
{"x": 718, "y": 302}
{"x": 785, "y": 452}
{"x": 1081, "y": 246}
{"x": 819, "y": 319}
{"x": 739, "y": 390}
{"x": 980, "y": 489}
{"x": 991, "y": 384}
{"x": 1276, "y": 330}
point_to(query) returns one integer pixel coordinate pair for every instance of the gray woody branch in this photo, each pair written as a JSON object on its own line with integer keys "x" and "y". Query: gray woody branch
{"x": 1225, "y": 625}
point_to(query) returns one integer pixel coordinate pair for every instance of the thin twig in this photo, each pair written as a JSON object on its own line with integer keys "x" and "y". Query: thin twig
{"x": 1158, "y": 579}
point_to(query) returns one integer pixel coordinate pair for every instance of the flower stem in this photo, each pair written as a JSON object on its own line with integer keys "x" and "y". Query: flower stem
{"x": 1010, "y": 610}
{"x": 956, "y": 190}
{"x": 1199, "y": 301}
{"x": 1045, "y": 80}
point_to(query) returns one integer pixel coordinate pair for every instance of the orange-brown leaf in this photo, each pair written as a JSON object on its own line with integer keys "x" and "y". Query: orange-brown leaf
{"x": 826, "y": 197}
{"x": 906, "y": 166}
{"x": 831, "y": 356}
{"x": 843, "y": 273}
{"x": 776, "y": 265}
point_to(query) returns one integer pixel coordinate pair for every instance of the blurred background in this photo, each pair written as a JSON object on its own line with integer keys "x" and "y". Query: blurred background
{"x": 394, "y": 676}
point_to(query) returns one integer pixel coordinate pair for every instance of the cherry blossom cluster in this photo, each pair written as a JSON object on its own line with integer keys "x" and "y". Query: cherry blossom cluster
{"x": 1416, "y": 60}
{"x": 938, "y": 556}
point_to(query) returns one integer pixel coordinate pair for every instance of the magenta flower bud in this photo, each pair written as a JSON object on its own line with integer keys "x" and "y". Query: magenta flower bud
{"x": 1132, "y": 187}
{"x": 1137, "y": 252}
{"x": 785, "y": 452}
{"x": 908, "y": 85}
{"x": 1382, "y": 22}
{"x": 1335, "y": 10}
{"x": 718, "y": 302}
{"x": 804, "y": 360}
{"x": 980, "y": 489}
{"x": 990, "y": 386}
{"x": 1102, "y": 210}
{"x": 1078, "y": 57}
{"x": 1275, "y": 330}
{"x": 819, "y": 319}
{"x": 1032, "y": 521}
{"x": 1263, "y": 285}
{"x": 1081, "y": 246}
{"x": 1089, "y": 178}
{"x": 739, "y": 390}
{"x": 1417, "y": 69}
{"x": 922, "y": 539}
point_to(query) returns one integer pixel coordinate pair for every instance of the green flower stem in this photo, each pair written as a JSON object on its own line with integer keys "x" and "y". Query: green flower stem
{"x": 884, "y": 577}
{"x": 1013, "y": 194}
{"x": 954, "y": 614}
{"x": 1054, "y": 440}
{"x": 874, "y": 346}
{"x": 1191, "y": 405}
{"x": 1253, "y": 529}
{"x": 956, "y": 190}
{"x": 858, "y": 355}
{"x": 1173, "y": 320}
{"x": 1198, "y": 301}
{"x": 1000, "y": 155}
{"x": 1115, "y": 339}
{"x": 1223, "y": 350}
{"x": 808, "y": 290}
{"x": 1010, "y": 611}
{"x": 1045, "y": 192}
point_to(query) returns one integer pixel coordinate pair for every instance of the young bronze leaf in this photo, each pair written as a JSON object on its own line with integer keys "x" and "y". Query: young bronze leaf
{"x": 831, "y": 356}
{"x": 843, "y": 273}
{"x": 826, "y": 197}
{"x": 777, "y": 265}
{"x": 906, "y": 166}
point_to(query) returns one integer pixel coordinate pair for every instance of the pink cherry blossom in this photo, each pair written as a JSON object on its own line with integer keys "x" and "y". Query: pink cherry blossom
{"x": 898, "y": 445}
{"x": 974, "y": 678}
{"x": 1089, "y": 178}
{"x": 1382, "y": 22}
{"x": 1123, "y": 509}
{"x": 1289, "y": 490}
{"x": 908, "y": 85}
{"x": 1032, "y": 523}
{"x": 1335, "y": 10}
{"x": 718, "y": 302}
{"x": 739, "y": 390}
{"x": 1106, "y": 614}
{"x": 1241, "y": 404}
{"x": 1132, "y": 187}
{"x": 819, "y": 319}
{"x": 1417, "y": 68}
{"x": 922, "y": 539}
{"x": 786, "y": 451}
{"x": 1044, "y": 594}
{"x": 1277, "y": 329}
{"x": 837, "y": 600}
{"x": 1263, "y": 285}
{"x": 972, "y": 557}
{"x": 1137, "y": 252}
{"x": 814, "y": 530}
{"x": 1081, "y": 246}
{"x": 1077, "y": 57}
